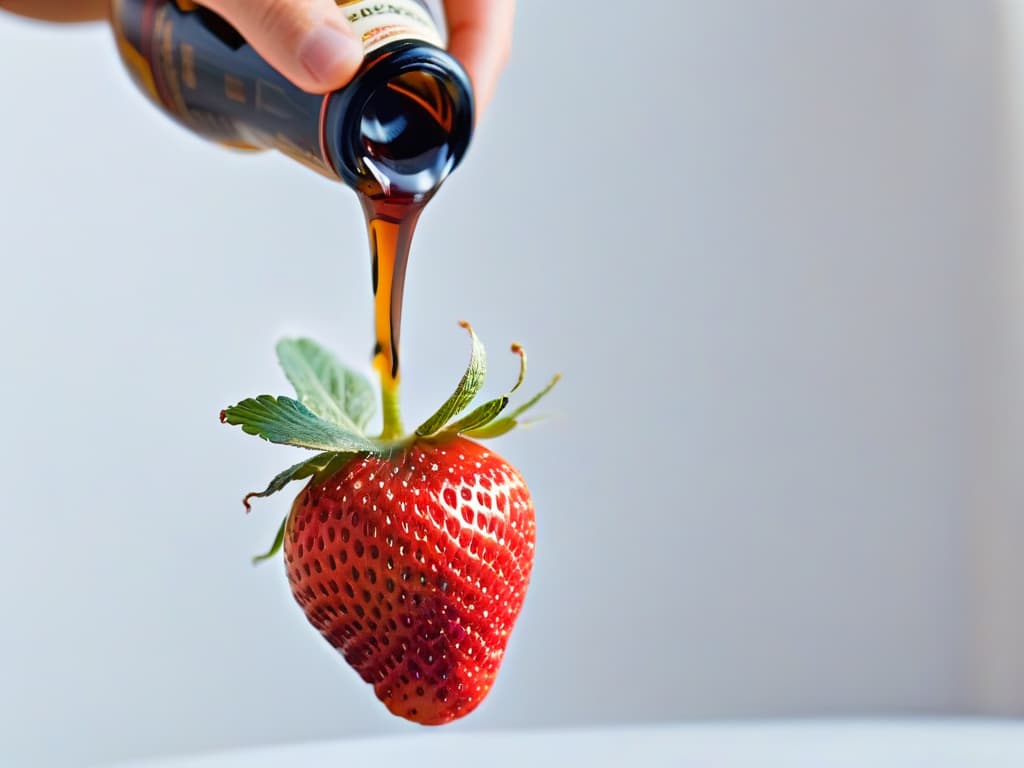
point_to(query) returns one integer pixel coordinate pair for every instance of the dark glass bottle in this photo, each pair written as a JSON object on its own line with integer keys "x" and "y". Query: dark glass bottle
{"x": 397, "y": 130}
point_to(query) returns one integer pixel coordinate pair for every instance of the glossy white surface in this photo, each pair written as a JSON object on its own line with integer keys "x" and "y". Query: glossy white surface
{"x": 876, "y": 744}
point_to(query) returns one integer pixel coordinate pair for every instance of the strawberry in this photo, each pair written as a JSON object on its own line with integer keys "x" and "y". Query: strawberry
{"x": 415, "y": 568}
{"x": 411, "y": 555}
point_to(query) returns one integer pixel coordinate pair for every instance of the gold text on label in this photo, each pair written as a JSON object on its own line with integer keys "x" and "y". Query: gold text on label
{"x": 234, "y": 88}
{"x": 188, "y": 66}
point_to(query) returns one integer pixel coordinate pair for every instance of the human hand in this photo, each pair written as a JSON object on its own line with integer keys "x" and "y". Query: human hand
{"x": 311, "y": 43}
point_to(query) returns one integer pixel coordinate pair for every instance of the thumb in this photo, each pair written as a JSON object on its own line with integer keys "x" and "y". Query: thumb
{"x": 307, "y": 41}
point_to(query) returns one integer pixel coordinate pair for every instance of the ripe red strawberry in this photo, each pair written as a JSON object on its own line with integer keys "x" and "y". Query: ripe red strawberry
{"x": 415, "y": 568}
{"x": 410, "y": 555}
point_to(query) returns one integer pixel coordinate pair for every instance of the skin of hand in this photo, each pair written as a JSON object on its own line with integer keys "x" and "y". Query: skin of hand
{"x": 311, "y": 44}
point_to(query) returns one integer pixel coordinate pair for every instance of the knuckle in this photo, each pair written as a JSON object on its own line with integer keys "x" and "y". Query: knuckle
{"x": 280, "y": 18}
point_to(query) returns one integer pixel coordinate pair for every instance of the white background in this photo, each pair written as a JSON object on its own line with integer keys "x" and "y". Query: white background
{"x": 768, "y": 244}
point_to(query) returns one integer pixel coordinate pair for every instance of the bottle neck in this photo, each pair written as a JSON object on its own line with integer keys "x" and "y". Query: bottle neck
{"x": 403, "y": 124}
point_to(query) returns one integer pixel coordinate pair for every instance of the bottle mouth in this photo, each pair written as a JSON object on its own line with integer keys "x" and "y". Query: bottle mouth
{"x": 406, "y": 130}
{"x": 408, "y": 126}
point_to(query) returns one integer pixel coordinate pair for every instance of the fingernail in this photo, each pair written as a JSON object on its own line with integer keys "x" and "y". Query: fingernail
{"x": 324, "y": 51}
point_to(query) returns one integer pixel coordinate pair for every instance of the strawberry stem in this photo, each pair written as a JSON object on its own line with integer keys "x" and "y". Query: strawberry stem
{"x": 391, "y": 409}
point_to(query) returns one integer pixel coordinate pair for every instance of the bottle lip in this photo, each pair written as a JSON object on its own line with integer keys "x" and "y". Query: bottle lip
{"x": 345, "y": 109}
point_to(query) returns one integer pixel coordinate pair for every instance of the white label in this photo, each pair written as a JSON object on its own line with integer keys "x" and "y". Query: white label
{"x": 378, "y": 23}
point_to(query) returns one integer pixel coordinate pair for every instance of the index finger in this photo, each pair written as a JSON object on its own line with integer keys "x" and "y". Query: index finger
{"x": 480, "y": 37}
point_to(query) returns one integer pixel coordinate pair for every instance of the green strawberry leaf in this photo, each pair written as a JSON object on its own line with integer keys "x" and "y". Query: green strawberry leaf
{"x": 517, "y": 349}
{"x": 489, "y": 411}
{"x": 536, "y": 398}
{"x": 300, "y": 471}
{"x": 496, "y": 428}
{"x": 499, "y": 427}
{"x": 469, "y": 386}
{"x": 479, "y": 417}
{"x": 325, "y": 386}
{"x": 288, "y": 422}
{"x": 275, "y": 547}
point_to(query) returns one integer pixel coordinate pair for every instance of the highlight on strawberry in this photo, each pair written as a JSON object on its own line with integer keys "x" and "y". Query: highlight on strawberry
{"x": 410, "y": 554}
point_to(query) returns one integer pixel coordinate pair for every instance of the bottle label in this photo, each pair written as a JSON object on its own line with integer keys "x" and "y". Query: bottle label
{"x": 378, "y": 23}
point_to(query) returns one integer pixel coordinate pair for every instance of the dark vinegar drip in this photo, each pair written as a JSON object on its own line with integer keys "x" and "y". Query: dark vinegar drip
{"x": 406, "y": 129}
{"x": 391, "y": 226}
